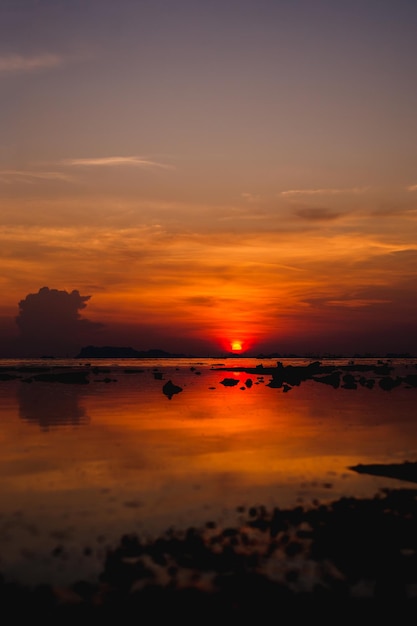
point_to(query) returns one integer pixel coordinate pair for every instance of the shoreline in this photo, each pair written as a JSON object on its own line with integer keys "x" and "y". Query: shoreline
{"x": 347, "y": 374}
{"x": 351, "y": 553}
{"x": 337, "y": 553}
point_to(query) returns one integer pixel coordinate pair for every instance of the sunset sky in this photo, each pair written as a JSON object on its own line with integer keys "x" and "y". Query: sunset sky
{"x": 210, "y": 172}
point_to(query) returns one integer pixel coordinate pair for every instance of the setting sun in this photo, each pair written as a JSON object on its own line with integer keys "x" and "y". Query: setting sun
{"x": 236, "y": 346}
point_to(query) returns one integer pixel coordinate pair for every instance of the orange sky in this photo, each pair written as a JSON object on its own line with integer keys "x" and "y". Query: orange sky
{"x": 233, "y": 172}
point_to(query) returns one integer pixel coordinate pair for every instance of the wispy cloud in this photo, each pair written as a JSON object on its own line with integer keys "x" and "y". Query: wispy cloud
{"x": 322, "y": 192}
{"x": 412, "y": 188}
{"x": 31, "y": 176}
{"x": 316, "y": 215}
{"x": 135, "y": 161}
{"x": 355, "y": 303}
{"x": 250, "y": 197}
{"x": 18, "y": 63}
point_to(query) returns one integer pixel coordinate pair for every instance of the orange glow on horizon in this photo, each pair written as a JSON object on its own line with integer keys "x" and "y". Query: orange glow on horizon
{"x": 237, "y": 340}
{"x": 236, "y": 346}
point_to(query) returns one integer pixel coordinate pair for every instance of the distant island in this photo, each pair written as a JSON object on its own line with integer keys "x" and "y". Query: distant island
{"x": 117, "y": 352}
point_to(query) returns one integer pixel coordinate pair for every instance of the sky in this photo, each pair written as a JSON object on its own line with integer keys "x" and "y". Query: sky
{"x": 196, "y": 175}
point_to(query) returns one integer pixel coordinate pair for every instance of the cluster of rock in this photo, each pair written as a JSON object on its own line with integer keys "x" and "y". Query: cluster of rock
{"x": 348, "y": 560}
{"x": 348, "y": 376}
{"x": 285, "y": 377}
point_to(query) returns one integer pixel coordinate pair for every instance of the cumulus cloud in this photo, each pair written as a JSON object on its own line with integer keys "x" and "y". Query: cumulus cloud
{"x": 135, "y": 161}
{"x": 13, "y": 63}
{"x": 50, "y": 322}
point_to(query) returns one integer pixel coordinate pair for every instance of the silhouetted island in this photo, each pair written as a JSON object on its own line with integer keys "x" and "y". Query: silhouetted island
{"x": 117, "y": 352}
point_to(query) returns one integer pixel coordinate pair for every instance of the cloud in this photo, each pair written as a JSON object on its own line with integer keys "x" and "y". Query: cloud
{"x": 321, "y": 192}
{"x": 412, "y": 188}
{"x": 355, "y": 303}
{"x": 134, "y": 161}
{"x": 394, "y": 211}
{"x": 31, "y": 176}
{"x": 49, "y": 321}
{"x": 250, "y": 197}
{"x": 18, "y": 63}
{"x": 317, "y": 215}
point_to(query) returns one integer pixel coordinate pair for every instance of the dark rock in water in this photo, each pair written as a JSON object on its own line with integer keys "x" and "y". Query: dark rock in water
{"x": 77, "y": 377}
{"x": 5, "y": 376}
{"x": 349, "y": 382}
{"x": 101, "y": 370}
{"x": 169, "y": 389}
{"x": 401, "y": 471}
{"x": 331, "y": 379}
{"x": 275, "y": 383}
{"x": 229, "y": 382}
{"x": 367, "y": 382}
{"x": 158, "y": 375}
{"x": 32, "y": 368}
{"x": 293, "y": 375}
{"x": 387, "y": 383}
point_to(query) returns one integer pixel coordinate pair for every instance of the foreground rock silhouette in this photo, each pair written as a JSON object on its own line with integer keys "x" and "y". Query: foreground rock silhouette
{"x": 402, "y": 471}
{"x": 349, "y": 559}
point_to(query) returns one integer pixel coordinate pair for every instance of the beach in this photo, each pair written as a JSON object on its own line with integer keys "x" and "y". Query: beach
{"x": 264, "y": 523}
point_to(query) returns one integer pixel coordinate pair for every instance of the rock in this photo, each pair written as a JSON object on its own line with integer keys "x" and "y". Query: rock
{"x": 387, "y": 383}
{"x": 349, "y": 382}
{"x": 331, "y": 379}
{"x": 169, "y": 389}
{"x": 229, "y": 382}
{"x": 72, "y": 377}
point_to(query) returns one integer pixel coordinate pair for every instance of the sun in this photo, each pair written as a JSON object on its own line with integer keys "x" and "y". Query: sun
{"x": 236, "y": 347}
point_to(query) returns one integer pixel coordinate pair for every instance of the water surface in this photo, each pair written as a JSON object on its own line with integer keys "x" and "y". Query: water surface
{"x": 82, "y": 464}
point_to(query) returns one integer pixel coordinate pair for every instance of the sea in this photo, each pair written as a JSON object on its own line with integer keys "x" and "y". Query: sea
{"x": 143, "y": 446}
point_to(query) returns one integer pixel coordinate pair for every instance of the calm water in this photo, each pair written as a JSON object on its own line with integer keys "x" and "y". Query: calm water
{"x": 83, "y": 464}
